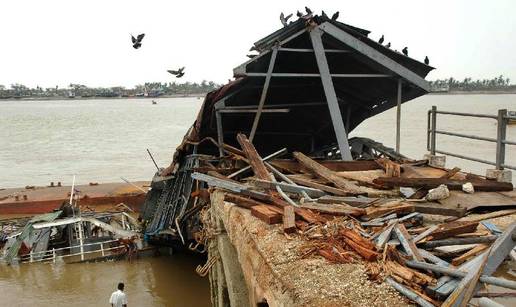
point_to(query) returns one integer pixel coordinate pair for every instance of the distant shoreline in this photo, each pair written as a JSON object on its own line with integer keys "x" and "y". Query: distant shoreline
{"x": 101, "y": 98}
{"x": 473, "y": 93}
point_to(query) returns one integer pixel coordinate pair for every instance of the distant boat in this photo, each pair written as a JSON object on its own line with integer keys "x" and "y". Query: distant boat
{"x": 154, "y": 102}
{"x": 511, "y": 121}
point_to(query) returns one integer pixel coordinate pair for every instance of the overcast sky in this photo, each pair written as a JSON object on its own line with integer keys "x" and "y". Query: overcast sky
{"x": 50, "y": 43}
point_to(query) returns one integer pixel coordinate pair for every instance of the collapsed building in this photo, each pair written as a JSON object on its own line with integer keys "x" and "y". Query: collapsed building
{"x": 312, "y": 83}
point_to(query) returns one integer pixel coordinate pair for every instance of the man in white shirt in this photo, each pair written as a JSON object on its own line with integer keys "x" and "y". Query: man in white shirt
{"x": 118, "y": 298}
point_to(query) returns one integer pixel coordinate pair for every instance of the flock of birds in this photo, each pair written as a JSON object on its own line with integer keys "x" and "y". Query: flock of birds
{"x": 137, "y": 43}
{"x": 309, "y": 13}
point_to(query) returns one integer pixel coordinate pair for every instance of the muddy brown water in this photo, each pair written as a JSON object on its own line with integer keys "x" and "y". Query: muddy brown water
{"x": 150, "y": 281}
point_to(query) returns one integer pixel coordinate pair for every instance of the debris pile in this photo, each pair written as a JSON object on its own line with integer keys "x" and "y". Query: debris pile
{"x": 372, "y": 212}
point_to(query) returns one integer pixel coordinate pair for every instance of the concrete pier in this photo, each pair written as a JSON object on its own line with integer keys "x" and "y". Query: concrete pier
{"x": 260, "y": 266}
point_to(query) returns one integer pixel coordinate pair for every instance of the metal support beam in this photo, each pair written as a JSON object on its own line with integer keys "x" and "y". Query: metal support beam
{"x": 432, "y": 133}
{"x": 264, "y": 93}
{"x": 220, "y": 132}
{"x": 398, "y": 118}
{"x": 331, "y": 97}
{"x": 374, "y": 55}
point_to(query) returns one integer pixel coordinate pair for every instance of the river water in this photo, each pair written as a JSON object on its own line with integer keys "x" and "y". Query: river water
{"x": 101, "y": 140}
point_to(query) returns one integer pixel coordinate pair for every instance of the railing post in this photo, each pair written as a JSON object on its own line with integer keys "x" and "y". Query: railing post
{"x": 31, "y": 257}
{"x": 434, "y": 127}
{"x": 54, "y": 255}
{"x": 500, "y": 138}
{"x": 102, "y": 248}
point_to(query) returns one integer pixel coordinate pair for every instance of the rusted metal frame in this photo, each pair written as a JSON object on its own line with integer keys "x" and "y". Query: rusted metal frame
{"x": 398, "y": 116}
{"x": 292, "y": 74}
{"x": 242, "y": 68}
{"x": 331, "y": 97}
{"x": 264, "y": 93}
{"x": 374, "y": 55}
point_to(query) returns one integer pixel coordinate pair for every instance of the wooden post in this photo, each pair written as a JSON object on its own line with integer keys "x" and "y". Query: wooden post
{"x": 398, "y": 118}
{"x": 54, "y": 255}
{"x": 331, "y": 97}
{"x": 289, "y": 219}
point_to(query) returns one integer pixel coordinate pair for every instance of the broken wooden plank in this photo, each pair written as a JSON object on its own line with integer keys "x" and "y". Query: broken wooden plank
{"x": 452, "y": 229}
{"x": 289, "y": 187}
{"x": 259, "y": 168}
{"x": 406, "y": 241}
{"x": 490, "y": 215}
{"x": 333, "y": 209}
{"x": 241, "y": 201}
{"x": 265, "y": 214}
{"x": 425, "y": 233}
{"x": 289, "y": 219}
{"x": 382, "y": 239}
{"x": 295, "y": 167}
{"x": 350, "y": 200}
{"x": 430, "y": 183}
{"x": 469, "y": 254}
{"x": 315, "y": 185}
{"x": 393, "y": 207}
{"x": 327, "y": 174}
{"x": 460, "y": 241}
{"x": 435, "y": 208}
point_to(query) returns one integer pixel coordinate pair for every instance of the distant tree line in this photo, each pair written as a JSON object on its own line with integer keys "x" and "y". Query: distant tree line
{"x": 149, "y": 89}
{"x": 499, "y": 83}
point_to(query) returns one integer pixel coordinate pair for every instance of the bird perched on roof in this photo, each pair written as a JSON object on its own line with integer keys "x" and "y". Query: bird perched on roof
{"x": 405, "y": 51}
{"x": 299, "y": 14}
{"x": 284, "y": 19}
{"x": 178, "y": 73}
{"x": 308, "y": 10}
{"x": 380, "y": 41}
{"x": 323, "y": 14}
{"x": 251, "y": 55}
{"x": 137, "y": 42}
{"x": 335, "y": 16}
{"x": 388, "y": 45}
{"x": 427, "y": 61}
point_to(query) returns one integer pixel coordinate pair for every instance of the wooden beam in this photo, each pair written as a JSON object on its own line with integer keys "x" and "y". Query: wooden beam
{"x": 430, "y": 183}
{"x": 333, "y": 209}
{"x": 259, "y": 168}
{"x": 374, "y": 55}
{"x": 318, "y": 186}
{"x": 329, "y": 91}
{"x": 407, "y": 243}
{"x": 327, "y": 174}
{"x": 265, "y": 214}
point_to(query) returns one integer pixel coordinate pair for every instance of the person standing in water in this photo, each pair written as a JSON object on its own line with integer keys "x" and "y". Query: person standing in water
{"x": 118, "y": 298}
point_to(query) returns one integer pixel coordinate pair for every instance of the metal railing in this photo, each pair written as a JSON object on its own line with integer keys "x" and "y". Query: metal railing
{"x": 502, "y": 120}
{"x": 55, "y": 253}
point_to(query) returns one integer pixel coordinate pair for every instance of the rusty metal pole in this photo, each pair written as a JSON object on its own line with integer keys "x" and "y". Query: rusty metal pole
{"x": 398, "y": 118}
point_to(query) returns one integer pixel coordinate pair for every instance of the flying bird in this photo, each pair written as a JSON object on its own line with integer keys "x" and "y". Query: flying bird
{"x": 284, "y": 19}
{"x": 335, "y": 16}
{"x": 388, "y": 45}
{"x": 178, "y": 73}
{"x": 308, "y": 10}
{"x": 137, "y": 42}
{"x": 405, "y": 51}
{"x": 381, "y": 40}
{"x": 427, "y": 61}
{"x": 323, "y": 14}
